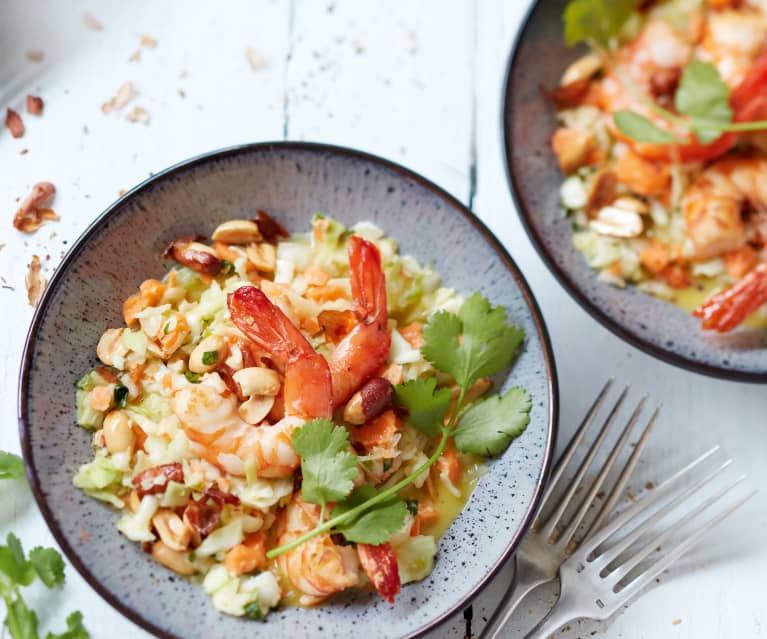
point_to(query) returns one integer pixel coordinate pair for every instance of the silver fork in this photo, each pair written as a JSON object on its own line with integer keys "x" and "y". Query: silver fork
{"x": 544, "y": 548}
{"x": 595, "y": 578}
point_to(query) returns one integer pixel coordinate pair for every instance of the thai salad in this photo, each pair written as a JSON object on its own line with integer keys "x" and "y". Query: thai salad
{"x": 662, "y": 141}
{"x": 285, "y": 417}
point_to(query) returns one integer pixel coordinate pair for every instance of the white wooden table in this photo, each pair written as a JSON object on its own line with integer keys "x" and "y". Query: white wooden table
{"x": 419, "y": 83}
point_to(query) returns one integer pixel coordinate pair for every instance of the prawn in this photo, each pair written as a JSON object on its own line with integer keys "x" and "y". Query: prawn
{"x": 315, "y": 386}
{"x": 317, "y": 568}
{"x": 713, "y": 205}
{"x": 727, "y": 309}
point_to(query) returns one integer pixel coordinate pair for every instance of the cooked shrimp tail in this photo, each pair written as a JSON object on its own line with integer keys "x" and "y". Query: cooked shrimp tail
{"x": 363, "y": 351}
{"x": 729, "y": 308}
{"x": 307, "y": 377}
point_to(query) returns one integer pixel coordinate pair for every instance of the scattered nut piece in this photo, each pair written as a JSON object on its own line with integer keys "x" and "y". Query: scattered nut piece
{"x": 198, "y": 257}
{"x": 23, "y": 151}
{"x": 13, "y": 123}
{"x": 135, "y": 56}
{"x": 124, "y": 95}
{"x": 369, "y": 402}
{"x": 676, "y": 622}
{"x": 34, "y": 105}
{"x": 270, "y": 228}
{"x": 138, "y": 114}
{"x": 35, "y": 55}
{"x": 617, "y": 222}
{"x": 602, "y": 191}
{"x": 255, "y": 409}
{"x": 631, "y": 204}
{"x": 30, "y": 215}
{"x": 237, "y": 232}
{"x": 92, "y": 22}
{"x": 255, "y": 59}
{"x": 148, "y": 41}
{"x": 583, "y": 68}
{"x": 34, "y": 281}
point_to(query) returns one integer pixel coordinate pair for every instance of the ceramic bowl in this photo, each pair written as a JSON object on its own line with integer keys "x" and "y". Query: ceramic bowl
{"x": 538, "y": 59}
{"x": 292, "y": 181}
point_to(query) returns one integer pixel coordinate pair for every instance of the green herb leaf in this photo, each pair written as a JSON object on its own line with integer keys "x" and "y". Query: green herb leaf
{"x": 209, "y": 357}
{"x": 14, "y": 564}
{"x": 253, "y": 611}
{"x": 705, "y": 98}
{"x": 488, "y": 426}
{"x": 227, "y": 268}
{"x": 20, "y": 620}
{"x": 11, "y": 466}
{"x": 120, "y": 395}
{"x": 639, "y": 128}
{"x": 475, "y": 343}
{"x": 426, "y": 405}
{"x": 327, "y": 466}
{"x": 596, "y": 21}
{"x": 194, "y": 378}
{"x": 48, "y": 565}
{"x": 75, "y": 628}
{"x": 376, "y": 525}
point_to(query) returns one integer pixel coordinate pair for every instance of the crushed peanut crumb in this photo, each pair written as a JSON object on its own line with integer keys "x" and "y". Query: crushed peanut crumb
{"x": 124, "y": 95}
{"x": 92, "y": 22}
{"x": 35, "y": 55}
{"x": 14, "y": 123}
{"x": 148, "y": 41}
{"x": 34, "y": 281}
{"x": 676, "y": 622}
{"x": 255, "y": 59}
{"x": 138, "y": 114}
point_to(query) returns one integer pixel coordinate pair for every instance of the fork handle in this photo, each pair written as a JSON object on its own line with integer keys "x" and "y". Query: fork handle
{"x": 518, "y": 590}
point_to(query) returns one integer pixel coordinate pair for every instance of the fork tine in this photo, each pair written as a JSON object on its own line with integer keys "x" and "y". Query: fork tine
{"x": 636, "y": 559}
{"x": 620, "y": 484}
{"x": 572, "y": 527}
{"x": 612, "y": 553}
{"x": 627, "y": 515}
{"x": 576, "y": 440}
{"x": 640, "y": 582}
{"x": 548, "y": 528}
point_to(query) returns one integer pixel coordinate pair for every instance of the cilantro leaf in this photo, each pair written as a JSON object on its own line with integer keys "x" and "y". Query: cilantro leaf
{"x": 48, "y": 565}
{"x": 20, "y": 620}
{"x": 11, "y": 466}
{"x": 253, "y": 611}
{"x": 426, "y": 405}
{"x": 75, "y": 628}
{"x": 475, "y": 343}
{"x": 597, "y": 21}
{"x": 488, "y": 426}
{"x": 14, "y": 564}
{"x": 705, "y": 98}
{"x": 639, "y": 128}
{"x": 376, "y": 525}
{"x": 327, "y": 466}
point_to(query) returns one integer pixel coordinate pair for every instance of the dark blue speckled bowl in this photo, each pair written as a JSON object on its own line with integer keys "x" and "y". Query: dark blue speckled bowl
{"x": 292, "y": 181}
{"x": 659, "y": 328}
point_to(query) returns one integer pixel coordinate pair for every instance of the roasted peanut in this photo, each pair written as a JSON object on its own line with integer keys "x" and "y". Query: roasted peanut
{"x": 237, "y": 232}
{"x": 177, "y": 561}
{"x": 255, "y": 409}
{"x": 118, "y": 434}
{"x": 582, "y": 69}
{"x": 194, "y": 255}
{"x": 172, "y": 529}
{"x": 263, "y": 256}
{"x": 108, "y": 345}
{"x": 258, "y": 380}
{"x": 369, "y": 402}
{"x": 208, "y": 354}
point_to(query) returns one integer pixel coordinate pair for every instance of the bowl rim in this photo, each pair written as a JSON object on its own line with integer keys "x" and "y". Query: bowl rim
{"x": 526, "y": 216}
{"x": 243, "y": 149}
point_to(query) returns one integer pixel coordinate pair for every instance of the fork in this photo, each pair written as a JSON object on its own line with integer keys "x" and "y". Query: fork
{"x": 544, "y": 548}
{"x": 595, "y": 578}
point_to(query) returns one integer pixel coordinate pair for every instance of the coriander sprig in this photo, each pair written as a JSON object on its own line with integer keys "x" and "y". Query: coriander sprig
{"x": 474, "y": 343}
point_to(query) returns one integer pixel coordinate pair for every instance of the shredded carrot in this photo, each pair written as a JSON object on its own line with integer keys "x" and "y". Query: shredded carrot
{"x": 315, "y": 276}
{"x": 248, "y": 556}
{"x": 377, "y": 432}
{"x": 615, "y": 269}
{"x": 140, "y": 436}
{"x": 741, "y": 261}
{"x": 152, "y": 291}
{"x": 225, "y": 252}
{"x": 327, "y": 293}
{"x": 132, "y": 307}
{"x": 449, "y": 465}
{"x": 675, "y": 276}
{"x": 642, "y": 176}
{"x": 413, "y": 333}
{"x": 101, "y": 397}
{"x": 167, "y": 382}
{"x": 427, "y": 514}
{"x": 655, "y": 257}
{"x": 311, "y": 325}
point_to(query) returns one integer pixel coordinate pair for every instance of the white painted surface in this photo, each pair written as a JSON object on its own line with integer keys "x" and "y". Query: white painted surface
{"x": 419, "y": 83}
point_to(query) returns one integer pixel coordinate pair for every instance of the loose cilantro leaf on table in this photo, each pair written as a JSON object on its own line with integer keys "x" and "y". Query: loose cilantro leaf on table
{"x": 327, "y": 466}
{"x": 475, "y": 343}
{"x": 11, "y": 466}
{"x": 16, "y": 571}
{"x": 596, "y": 21}
{"x": 488, "y": 426}
{"x": 426, "y": 405}
{"x": 375, "y": 525}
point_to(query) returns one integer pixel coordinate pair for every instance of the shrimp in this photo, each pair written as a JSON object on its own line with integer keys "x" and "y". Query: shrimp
{"x": 713, "y": 205}
{"x": 317, "y": 568}
{"x": 732, "y": 40}
{"x": 726, "y": 310}
{"x": 208, "y": 414}
{"x": 313, "y": 385}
